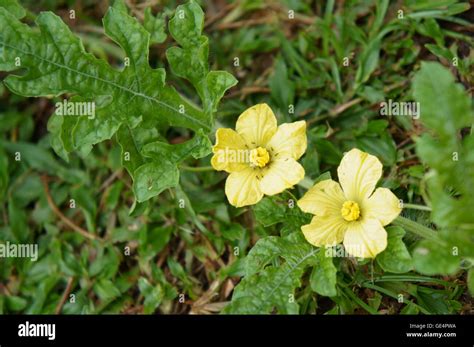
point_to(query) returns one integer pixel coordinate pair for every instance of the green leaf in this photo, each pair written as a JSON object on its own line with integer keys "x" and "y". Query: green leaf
{"x": 113, "y": 194}
{"x": 434, "y": 300}
{"x": 134, "y": 103}
{"x": 282, "y": 89}
{"x": 153, "y": 295}
{"x": 217, "y": 83}
{"x": 395, "y": 258}
{"x": 263, "y": 252}
{"x": 120, "y": 5}
{"x": 324, "y": 276}
{"x": 155, "y": 25}
{"x": 79, "y": 132}
{"x": 84, "y": 198}
{"x": 375, "y": 301}
{"x": 234, "y": 231}
{"x": 59, "y": 144}
{"x": 152, "y": 241}
{"x": 431, "y": 28}
{"x": 273, "y": 288}
{"x": 13, "y": 7}
{"x": 39, "y": 158}
{"x": 368, "y": 62}
{"x": 57, "y": 63}
{"x": 18, "y": 221}
{"x": 162, "y": 172}
{"x": 270, "y": 287}
{"x": 198, "y": 147}
{"x": 440, "y": 52}
{"x": 470, "y": 281}
{"x": 452, "y": 109}
{"x": 15, "y": 303}
{"x": 431, "y": 258}
{"x": 178, "y": 271}
{"x": 131, "y": 157}
{"x": 106, "y": 264}
{"x": 445, "y": 111}
{"x": 106, "y": 290}
{"x": 190, "y": 61}
{"x": 382, "y": 146}
{"x": 381, "y": 10}
{"x": 4, "y": 178}
{"x": 268, "y": 212}
{"x": 152, "y": 178}
{"x": 410, "y": 309}
{"x": 437, "y": 9}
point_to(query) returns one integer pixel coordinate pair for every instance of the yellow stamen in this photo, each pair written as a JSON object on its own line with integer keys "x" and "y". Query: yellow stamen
{"x": 350, "y": 211}
{"x": 259, "y": 157}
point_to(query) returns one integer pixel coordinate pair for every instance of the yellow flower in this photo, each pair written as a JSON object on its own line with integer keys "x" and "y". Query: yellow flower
{"x": 354, "y": 214}
{"x": 260, "y": 157}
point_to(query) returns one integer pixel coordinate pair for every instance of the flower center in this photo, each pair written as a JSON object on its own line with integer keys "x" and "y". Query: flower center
{"x": 350, "y": 211}
{"x": 259, "y": 157}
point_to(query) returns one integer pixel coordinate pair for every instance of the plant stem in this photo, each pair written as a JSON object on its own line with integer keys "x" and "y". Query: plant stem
{"x": 417, "y": 207}
{"x": 292, "y": 195}
{"x": 196, "y": 168}
{"x": 411, "y": 278}
{"x": 416, "y": 228}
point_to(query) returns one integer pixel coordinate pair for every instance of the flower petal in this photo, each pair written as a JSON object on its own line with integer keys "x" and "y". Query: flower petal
{"x": 324, "y": 198}
{"x": 243, "y": 188}
{"x": 382, "y": 205}
{"x": 358, "y": 174}
{"x": 229, "y": 151}
{"x": 365, "y": 239}
{"x": 325, "y": 230}
{"x": 280, "y": 175}
{"x": 257, "y": 125}
{"x": 289, "y": 141}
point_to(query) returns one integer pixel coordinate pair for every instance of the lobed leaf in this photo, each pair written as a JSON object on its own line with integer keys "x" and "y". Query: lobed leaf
{"x": 190, "y": 60}
{"x": 449, "y": 156}
{"x": 273, "y": 287}
{"x": 395, "y": 258}
{"x": 132, "y": 103}
{"x": 324, "y": 276}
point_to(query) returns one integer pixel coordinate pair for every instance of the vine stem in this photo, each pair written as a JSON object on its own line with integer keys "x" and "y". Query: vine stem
{"x": 292, "y": 195}
{"x": 416, "y": 228}
{"x": 196, "y": 168}
{"x": 417, "y": 207}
